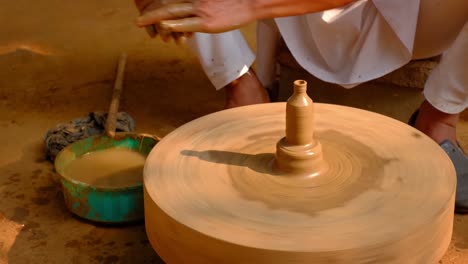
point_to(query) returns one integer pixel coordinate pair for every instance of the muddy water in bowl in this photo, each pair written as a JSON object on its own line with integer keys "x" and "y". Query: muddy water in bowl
{"x": 109, "y": 168}
{"x": 102, "y": 176}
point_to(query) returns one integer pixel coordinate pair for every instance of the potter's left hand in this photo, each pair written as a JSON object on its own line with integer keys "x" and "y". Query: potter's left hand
{"x": 145, "y": 6}
{"x": 210, "y": 16}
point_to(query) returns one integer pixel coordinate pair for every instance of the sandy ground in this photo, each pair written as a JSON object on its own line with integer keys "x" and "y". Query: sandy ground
{"x": 57, "y": 62}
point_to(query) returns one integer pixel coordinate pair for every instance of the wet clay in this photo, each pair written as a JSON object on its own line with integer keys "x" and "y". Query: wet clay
{"x": 114, "y": 167}
{"x": 298, "y": 153}
{"x": 213, "y": 193}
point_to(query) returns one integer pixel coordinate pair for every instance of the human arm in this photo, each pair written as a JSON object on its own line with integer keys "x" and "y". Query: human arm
{"x": 214, "y": 16}
{"x": 282, "y": 8}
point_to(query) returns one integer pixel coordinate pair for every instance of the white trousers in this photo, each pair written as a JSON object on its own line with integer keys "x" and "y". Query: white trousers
{"x": 346, "y": 46}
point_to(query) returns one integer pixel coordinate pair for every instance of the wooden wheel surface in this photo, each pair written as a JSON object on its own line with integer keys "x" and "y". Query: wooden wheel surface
{"x": 213, "y": 194}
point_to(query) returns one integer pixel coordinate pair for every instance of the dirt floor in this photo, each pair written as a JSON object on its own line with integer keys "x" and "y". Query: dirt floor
{"x": 57, "y": 62}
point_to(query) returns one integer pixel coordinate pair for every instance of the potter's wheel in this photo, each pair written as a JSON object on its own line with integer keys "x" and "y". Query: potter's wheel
{"x": 364, "y": 189}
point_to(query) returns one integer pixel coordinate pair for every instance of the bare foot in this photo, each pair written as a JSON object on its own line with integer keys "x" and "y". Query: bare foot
{"x": 437, "y": 125}
{"x": 246, "y": 90}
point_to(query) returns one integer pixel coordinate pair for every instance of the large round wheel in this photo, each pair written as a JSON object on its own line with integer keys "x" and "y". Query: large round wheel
{"x": 213, "y": 194}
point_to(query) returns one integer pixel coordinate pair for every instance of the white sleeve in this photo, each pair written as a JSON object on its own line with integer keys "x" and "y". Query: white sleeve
{"x": 353, "y": 44}
{"x": 447, "y": 86}
{"x": 268, "y": 37}
{"x": 224, "y": 57}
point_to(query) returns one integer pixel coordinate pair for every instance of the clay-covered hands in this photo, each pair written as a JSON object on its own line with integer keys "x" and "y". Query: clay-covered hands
{"x": 211, "y": 16}
{"x": 215, "y": 16}
{"x": 154, "y": 29}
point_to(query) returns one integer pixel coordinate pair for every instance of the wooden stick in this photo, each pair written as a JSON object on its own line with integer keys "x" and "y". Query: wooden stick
{"x": 111, "y": 122}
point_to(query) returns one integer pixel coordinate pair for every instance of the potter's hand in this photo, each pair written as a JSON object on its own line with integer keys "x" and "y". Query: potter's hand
{"x": 146, "y": 6}
{"x": 214, "y": 16}
{"x": 210, "y": 16}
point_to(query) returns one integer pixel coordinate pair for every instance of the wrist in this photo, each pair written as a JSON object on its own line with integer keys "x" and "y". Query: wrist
{"x": 258, "y": 8}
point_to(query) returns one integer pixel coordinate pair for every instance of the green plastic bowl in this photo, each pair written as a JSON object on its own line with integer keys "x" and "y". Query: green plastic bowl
{"x": 101, "y": 204}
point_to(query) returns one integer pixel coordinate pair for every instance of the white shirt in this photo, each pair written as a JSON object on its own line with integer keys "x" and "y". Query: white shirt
{"x": 347, "y": 45}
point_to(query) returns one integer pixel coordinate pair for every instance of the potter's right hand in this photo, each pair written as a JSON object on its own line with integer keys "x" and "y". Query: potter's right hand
{"x": 145, "y": 6}
{"x": 200, "y": 15}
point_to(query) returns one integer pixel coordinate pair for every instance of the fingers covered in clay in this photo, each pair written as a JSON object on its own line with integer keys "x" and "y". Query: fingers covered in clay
{"x": 191, "y": 24}
{"x": 179, "y": 38}
{"x": 154, "y": 29}
{"x": 168, "y": 12}
{"x": 200, "y": 16}
{"x": 165, "y": 35}
{"x": 151, "y": 31}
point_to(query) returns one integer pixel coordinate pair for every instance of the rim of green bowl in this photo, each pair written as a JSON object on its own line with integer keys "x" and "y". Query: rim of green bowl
{"x": 118, "y": 136}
